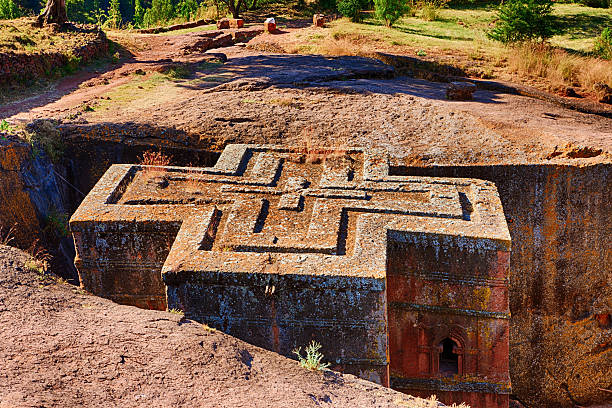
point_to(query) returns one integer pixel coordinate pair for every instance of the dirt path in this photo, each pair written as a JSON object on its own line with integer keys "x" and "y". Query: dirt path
{"x": 284, "y": 98}
{"x": 61, "y": 347}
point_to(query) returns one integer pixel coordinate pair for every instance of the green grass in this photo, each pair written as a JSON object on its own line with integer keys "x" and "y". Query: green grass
{"x": 581, "y": 25}
{"x": 133, "y": 90}
{"x": 465, "y": 29}
{"x": 208, "y": 27}
{"x": 20, "y": 37}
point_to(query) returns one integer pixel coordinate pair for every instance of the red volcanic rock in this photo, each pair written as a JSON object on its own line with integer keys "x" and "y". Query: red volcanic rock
{"x": 224, "y": 23}
{"x": 318, "y": 20}
{"x": 270, "y": 25}
{"x": 236, "y": 23}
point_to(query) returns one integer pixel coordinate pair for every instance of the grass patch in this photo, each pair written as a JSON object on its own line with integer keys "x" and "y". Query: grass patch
{"x": 457, "y": 37}
{"x": 178, "y": 72}
{"x": 313, "y": 358}
{"x": 133, "y": 90}
{"x": 560, "y": 67}
{"x": 209, "y": 27}
{"x": 44, "y": 136}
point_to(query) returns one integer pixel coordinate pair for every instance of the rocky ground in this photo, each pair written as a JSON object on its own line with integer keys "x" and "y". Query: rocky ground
{"x": 62, "y": 347}
{"x": 280, "y": 98}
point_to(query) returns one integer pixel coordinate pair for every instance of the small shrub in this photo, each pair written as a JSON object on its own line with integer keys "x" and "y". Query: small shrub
{"x": 186, "y": 9}
{"x": 390, "y": 10}
{"x": 45, "y": 135}
{"x": 178, "y": 72}
{"x": 603, "y": 44}
{"x": 160, "y": 11}
{"x": 73, "y": 64}
{"x": 177, "y": 312}
{"x": 151, "y": 158}
{"x": 39, "y": 262}
{"x": 430, "y": 8}
{"x": 429, "y": 13}
{"x": 139, "y": 12}
{"x": 9, "y": 10}
{"x": 100, "y": 16}
{"x": 312, "y": 359}
{"x": 113, "y": 20}
{"x": 208, "y": 12}
{"x": 6, "y": 127}
{"x": 57, "y": 223}
{"x": 351, "y": 9}
{"x": 524, "y": 20}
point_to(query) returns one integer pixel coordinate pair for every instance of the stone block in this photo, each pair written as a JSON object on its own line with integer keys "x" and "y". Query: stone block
{"x": 236, "y": 23}
{"x": 318, "y": 20}
{"x": 460, "y": 91}
{"x": 223, "y": 24}
{"x": 270, "y": 25}
{"x": 403, "y": 280}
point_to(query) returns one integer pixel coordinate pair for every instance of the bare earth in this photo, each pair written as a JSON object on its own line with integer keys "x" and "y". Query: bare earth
{"x": 284, "y": 98}
{"x": 61, "y": 347}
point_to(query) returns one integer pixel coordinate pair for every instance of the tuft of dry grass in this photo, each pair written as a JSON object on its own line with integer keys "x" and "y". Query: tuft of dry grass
{"x": 7, "y": 235}
{"x": 558, "y": 66}
{"x": 315, "y": 152}
{"x": 151, "y": 158}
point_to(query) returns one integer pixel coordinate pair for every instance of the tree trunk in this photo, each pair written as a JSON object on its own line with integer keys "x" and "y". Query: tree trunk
{"x": 54, "y": 12}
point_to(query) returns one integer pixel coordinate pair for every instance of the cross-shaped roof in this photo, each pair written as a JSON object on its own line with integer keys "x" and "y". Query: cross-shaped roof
{"x": 293, "y": 211}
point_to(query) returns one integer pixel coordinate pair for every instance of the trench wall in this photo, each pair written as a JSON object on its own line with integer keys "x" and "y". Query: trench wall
{"x": 560, "y": 221}
{"x": 29, "y": 193}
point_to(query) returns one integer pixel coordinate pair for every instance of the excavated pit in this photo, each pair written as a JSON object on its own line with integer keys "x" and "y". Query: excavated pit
{"x": 559, "y": 221}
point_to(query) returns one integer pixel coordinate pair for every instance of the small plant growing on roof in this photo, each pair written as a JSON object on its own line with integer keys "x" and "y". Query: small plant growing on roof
{"x": 312, "y": 359}
{"x": 152, "y": 158}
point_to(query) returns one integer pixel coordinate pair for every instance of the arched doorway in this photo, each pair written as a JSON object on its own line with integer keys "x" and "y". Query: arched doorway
{"x": 448, "y": 362}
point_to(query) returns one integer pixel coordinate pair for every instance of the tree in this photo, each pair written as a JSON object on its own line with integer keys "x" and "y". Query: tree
{"x": 524, "y": 20}
{"x": 390, "y": 10}
{"x": 351, "y": 9}
{"x": 114, "y": 15}
{"x": 160, "y": 11}
{"x": 234, "y": 7}
{"x": 138, "y": 13}
{"x": 54, "y": 12}
{"x": 9, "y": 10}
{"x": 603, "y": 44}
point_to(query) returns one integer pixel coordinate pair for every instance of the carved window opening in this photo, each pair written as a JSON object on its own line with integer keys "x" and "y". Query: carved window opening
{"x": 448, "y": 358}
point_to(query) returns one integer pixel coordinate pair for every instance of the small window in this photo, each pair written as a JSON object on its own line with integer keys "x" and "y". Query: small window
{"x": 449, "y": 360}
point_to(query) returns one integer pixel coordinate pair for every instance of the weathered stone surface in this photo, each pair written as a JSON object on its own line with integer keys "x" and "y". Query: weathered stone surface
{"x": 270, "y": 25}
{"x": 460, "y": 91}
{"x": 236, "y": 23}
{"x": 224, "y": 23}
{"x": 279, "y": 246}
{"x": 318, "y": 20}
{"x": 559, "y": 219}
{"x": 207, "y": 40}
